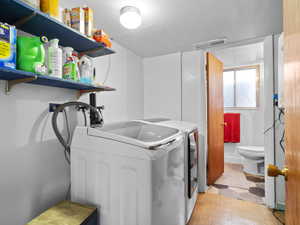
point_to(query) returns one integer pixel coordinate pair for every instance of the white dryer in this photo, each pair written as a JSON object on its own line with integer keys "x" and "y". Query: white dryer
{"x": 132, "y": 171}
{"x": 191, "y": 158}
{"x": 190, "y": 131}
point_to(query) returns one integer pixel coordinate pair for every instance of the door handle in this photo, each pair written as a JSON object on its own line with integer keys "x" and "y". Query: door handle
{"x": 274, "y": 171}
{"x": 224, "y": 124}
{"x": 155, "y": 147}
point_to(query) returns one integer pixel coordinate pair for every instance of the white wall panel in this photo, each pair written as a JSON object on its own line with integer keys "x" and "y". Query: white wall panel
{"x": 34, "y": 172}
{"x": 194, "y": 103}
{"x": 269, "y": 117}
{"x": 162, "y": 86}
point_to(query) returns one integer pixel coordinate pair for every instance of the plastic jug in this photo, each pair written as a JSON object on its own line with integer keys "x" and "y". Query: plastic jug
{"x": 86, "y": 69}
{"x": 31, "y": 54}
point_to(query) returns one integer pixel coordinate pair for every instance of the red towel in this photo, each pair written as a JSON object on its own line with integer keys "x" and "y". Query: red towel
{"x": 232, "y": 128}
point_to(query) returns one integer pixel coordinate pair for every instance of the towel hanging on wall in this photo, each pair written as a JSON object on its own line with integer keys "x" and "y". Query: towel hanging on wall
{"x": 232, "y": 128}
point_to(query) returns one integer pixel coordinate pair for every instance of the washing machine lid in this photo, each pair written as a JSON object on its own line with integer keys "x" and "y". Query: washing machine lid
{"x": 137, "y": 133}
{"x": 181, "y": 125}
{"x": 155, "y": 120}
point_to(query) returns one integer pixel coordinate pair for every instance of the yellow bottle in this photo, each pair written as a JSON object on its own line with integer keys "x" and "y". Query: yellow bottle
{"x": 50, "y": 7}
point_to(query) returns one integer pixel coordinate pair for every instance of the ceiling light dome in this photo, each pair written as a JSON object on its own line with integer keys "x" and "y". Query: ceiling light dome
{"x": 130, "y": 17}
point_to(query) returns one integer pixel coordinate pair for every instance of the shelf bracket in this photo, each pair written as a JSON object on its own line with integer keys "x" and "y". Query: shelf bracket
{"x": 11, "y": 83}
{"x": 24, "y": 20}
{"x": 81, "y": 92}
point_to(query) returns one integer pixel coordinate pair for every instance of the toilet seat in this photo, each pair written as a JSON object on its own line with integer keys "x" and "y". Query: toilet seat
{"x": 252, "y": 152}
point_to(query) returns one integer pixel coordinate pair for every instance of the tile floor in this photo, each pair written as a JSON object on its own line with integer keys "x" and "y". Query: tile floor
{"x": 236, "y": 184}
{"x": 215, "y": 209}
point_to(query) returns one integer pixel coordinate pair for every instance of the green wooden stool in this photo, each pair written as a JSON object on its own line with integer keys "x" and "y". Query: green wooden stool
{"x": 67, "y": 213}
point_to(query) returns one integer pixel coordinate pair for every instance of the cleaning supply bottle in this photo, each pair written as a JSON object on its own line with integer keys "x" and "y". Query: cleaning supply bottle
{"x": 54, "y": 59}
{"x": 50, "y": 7}
{"x": 31, "y": 54}
{"x": 76, "y": 60}
{"x": 69, "y": 68}
{"x": 86, "y": 70}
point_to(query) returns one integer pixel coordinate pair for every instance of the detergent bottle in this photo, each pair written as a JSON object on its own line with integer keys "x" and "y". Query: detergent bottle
{"x": 31, "y": 54}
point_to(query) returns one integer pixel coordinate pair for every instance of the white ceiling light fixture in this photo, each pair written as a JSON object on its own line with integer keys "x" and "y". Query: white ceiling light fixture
{"x": 130, "y": 17}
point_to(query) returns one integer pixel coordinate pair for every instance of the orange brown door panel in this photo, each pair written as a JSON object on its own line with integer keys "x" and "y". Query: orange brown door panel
{"x": 292, "y": 108}
{"x": 215, "y": 112}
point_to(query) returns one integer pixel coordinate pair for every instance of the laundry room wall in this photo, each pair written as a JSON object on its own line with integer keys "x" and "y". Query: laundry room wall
{"x": 123, "y": 71}
{"x": 34, "y": 172}
{"x": 174, "y": 88}
{"x": 162, "y": 86}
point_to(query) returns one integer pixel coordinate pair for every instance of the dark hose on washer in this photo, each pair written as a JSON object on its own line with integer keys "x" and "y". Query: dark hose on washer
{"x": 59, "y": 109}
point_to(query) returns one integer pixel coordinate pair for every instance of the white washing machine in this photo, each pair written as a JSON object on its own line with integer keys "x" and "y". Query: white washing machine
{"x": 132, "y": 171}
{"x": 190, "y": 131}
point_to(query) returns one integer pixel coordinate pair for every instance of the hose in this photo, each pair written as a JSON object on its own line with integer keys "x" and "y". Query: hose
{"x": 67, "y": 144}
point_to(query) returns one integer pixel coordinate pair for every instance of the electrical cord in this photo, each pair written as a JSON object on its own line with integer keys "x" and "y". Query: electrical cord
{"x": 281, "y": 113}
{"x": 271, "y": 127}
{"x": 281, "y": 142}
{"x": 279, "y": 119}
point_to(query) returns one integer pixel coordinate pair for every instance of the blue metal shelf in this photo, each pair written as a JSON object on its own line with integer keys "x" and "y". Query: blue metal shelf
{"x": 22, "y": 76}
{"x": 33, "y": 21}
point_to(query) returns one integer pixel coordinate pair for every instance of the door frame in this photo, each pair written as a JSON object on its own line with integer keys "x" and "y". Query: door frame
{"x": 269, "y": 114}
{"x": 269, "y": 142}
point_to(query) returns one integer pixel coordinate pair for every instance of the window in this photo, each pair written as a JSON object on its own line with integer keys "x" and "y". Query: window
{"x": 241, "y": 87}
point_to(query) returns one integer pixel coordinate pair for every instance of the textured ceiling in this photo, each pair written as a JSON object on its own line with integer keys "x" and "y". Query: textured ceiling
{"x": 175, "y": 25}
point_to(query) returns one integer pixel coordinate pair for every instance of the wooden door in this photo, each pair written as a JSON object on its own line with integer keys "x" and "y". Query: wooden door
{"x": 215, "y": 112}
{"x": 292, "y": 107}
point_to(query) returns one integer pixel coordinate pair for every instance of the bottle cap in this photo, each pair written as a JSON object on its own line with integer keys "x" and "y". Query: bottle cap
{"x": 54, "y": 42}
{"x": 44, "y": 39}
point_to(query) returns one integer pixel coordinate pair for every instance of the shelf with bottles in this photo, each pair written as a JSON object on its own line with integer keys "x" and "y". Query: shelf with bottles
{"x": 14, "y": 77}
{"x": 33, "y": 21}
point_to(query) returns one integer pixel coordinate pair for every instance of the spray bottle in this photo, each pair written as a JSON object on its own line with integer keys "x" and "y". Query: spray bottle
{"x": 69, "y": 68}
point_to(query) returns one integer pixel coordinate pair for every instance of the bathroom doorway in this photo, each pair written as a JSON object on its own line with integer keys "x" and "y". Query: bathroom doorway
{"x": 243, "y": 91}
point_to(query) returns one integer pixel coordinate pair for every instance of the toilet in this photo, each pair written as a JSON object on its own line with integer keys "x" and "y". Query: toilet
{"x": 253, "y": 159}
